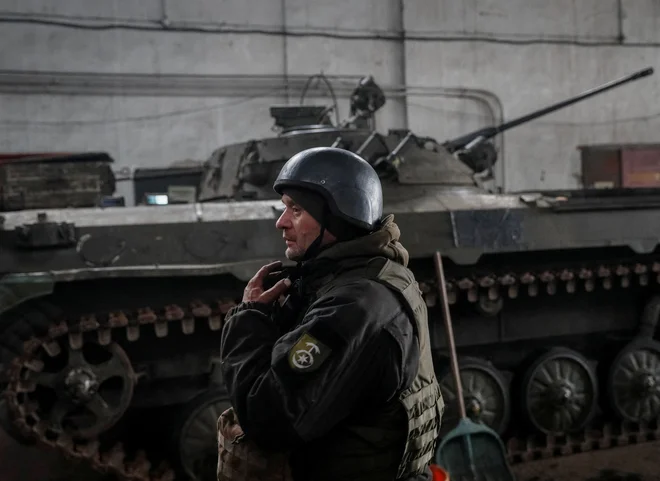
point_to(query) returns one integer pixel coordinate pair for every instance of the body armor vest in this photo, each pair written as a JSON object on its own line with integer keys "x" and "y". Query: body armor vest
{"x": 422, "y": 402}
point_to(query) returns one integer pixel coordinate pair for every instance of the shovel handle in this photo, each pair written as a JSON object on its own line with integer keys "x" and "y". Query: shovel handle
{"x": 442, "y": 292}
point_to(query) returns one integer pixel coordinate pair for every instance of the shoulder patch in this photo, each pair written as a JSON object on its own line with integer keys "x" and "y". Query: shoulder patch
{"x": 307, "y": 354}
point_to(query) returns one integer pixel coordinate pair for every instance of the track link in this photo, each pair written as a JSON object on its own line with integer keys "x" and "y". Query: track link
{"x": 496, "y": 285}
{"x": 608, "y": 436}
{"x": 114, "y": 459}
{"x": 140, "y": 468}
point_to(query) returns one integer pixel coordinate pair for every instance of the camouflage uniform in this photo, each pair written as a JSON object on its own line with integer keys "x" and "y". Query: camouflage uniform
{"x": 240, "y": 458}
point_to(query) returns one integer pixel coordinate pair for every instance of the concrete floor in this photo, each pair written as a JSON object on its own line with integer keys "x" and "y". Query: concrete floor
{"x": 31, "y": 463}
{"x": 630, "y": 463}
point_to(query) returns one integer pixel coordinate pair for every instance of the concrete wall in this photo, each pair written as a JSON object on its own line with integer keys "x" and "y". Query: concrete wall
{"x": 180, "y": 78}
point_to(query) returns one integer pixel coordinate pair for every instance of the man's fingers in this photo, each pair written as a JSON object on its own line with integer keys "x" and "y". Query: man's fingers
{"x": 273, "y": 274}
{"x": 276, "y": 291}
{"x": 267, "y": 268}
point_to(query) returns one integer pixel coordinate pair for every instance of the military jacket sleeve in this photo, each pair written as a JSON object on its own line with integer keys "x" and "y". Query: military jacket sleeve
{"x": 351, "y": 351}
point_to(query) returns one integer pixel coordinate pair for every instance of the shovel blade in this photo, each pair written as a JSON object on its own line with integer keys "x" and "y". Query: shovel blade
{"x": 473, "y": 452}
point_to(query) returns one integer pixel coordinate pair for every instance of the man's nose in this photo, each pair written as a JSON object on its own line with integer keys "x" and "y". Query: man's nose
{"x": 282, "y": 222}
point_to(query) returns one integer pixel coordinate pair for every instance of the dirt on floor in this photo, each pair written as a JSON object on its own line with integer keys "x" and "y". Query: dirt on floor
{"x": 630, "y": 463}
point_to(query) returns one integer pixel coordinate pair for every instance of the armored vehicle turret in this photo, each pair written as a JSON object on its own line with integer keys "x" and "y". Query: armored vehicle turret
{"x": 110, "y": 318}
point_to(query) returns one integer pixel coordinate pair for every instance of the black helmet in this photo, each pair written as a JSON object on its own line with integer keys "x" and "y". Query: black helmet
{"x": 346, "y": 181}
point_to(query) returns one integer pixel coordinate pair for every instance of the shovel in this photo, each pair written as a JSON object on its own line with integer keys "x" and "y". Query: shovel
{"x": 471, "y": 451}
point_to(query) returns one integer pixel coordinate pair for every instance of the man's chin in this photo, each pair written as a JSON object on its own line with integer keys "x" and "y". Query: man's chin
{"x": 292, "y": 255}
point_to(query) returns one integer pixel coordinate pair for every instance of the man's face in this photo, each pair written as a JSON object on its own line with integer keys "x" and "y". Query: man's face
{"x": 299, "y": 229}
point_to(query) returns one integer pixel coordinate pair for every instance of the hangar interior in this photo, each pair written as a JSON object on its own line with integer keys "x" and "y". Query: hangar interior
{"x": 160, "y": 83}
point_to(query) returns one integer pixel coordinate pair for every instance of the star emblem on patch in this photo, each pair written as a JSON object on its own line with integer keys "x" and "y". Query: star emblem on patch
{"x": 307, "y": 354}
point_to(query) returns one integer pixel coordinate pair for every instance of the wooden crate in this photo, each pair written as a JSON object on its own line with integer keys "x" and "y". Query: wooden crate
{"x": 620, "y": 165}
{"x": 60, "y": 181}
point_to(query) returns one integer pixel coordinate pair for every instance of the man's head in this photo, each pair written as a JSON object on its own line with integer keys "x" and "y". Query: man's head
{"x": 301, "y": 222}
{"x": 305, "y": 211}
{"x": 329, "y": 195}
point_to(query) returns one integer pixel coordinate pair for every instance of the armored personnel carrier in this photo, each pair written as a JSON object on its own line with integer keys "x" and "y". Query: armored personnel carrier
{"x": 110, "y": 318}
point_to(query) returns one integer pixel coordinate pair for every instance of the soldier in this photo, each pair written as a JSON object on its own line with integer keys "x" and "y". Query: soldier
{"x": 340, "y": 376}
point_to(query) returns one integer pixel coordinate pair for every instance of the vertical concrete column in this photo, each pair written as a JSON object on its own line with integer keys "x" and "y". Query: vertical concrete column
{"x": 401, "y": 103}
{"x": 285, "y": 54}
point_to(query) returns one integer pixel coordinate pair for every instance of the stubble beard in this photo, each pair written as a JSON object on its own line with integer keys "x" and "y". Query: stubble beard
{"x": 293, "y": 254}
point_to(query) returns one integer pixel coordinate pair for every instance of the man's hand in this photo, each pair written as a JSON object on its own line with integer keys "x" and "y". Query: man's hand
{"x": 254, "y": 291}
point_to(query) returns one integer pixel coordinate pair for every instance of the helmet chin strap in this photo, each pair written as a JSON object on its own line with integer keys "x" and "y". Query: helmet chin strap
{"x": 312, "y": 251}
{"x": 315, "y": 247}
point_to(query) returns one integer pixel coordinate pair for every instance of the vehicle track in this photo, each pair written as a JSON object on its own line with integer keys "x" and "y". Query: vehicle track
{"x": 44, "y": 333}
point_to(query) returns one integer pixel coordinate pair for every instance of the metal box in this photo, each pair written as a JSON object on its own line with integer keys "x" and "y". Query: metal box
{"x": 620, "y": 165}
{"x": 178, "y": 184}
{"x": 53, "y": 182}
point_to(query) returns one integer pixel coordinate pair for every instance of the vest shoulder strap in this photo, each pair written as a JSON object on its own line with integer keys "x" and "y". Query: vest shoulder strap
{"x": 380, "y": 269}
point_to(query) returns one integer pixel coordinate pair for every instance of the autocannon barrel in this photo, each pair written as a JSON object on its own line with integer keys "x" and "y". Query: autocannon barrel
{"x": 488, "y": 132}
